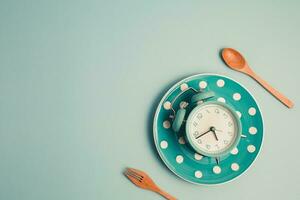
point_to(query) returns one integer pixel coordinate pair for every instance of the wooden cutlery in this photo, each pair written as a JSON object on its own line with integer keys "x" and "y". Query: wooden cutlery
{"x": 142, "y": 180}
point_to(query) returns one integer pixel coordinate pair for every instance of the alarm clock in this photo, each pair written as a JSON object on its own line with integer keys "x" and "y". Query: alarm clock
{"x": 212, "y": 128}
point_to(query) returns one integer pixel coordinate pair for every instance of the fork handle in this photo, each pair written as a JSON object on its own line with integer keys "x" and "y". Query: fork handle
{"x": 165, "y": 194}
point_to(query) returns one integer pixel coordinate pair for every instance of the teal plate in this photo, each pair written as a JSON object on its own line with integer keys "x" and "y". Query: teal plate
{"x": 192, "y": 167}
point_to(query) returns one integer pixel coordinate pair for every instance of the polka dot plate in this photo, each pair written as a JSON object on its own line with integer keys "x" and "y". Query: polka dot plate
{"x": 193, "y": 167}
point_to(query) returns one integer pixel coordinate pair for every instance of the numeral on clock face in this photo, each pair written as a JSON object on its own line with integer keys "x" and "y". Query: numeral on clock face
{"x": 196, "y": 133}
{"x": 199, "y": 115}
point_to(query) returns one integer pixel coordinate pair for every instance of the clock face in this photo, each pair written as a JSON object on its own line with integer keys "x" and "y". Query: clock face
{"x": 213, "y": 129}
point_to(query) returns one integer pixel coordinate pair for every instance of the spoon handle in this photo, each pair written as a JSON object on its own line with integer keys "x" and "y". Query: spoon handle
{"x": 272, "y": 90}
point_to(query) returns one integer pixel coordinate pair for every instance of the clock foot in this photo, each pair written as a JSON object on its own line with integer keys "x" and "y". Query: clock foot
{"x": 217, "y": 160}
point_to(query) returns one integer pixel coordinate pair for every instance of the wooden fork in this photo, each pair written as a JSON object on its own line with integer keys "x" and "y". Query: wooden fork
{"x": 142, "y": 180}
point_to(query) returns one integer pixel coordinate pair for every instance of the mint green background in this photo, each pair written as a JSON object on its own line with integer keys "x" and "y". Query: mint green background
{"x": 80, "y": 80}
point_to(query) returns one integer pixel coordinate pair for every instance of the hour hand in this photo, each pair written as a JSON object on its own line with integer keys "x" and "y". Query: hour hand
{"x": 215, "y": 135}
{"x": 213, "y": 129}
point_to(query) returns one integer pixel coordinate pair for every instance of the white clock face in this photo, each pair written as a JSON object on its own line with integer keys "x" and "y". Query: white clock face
{"x": 212, "y": 129}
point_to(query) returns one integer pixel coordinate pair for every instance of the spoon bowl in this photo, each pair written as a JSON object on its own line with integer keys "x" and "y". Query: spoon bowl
{"x": 233, "y": 59}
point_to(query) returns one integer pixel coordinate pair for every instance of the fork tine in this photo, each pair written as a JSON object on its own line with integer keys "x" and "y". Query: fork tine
{"x": 129, "y": 176}
{"x": 133, "y": 175}
{"x": 134, "y": 180}
{"x": 136, "y": 172}
{"x": 130, "y": 170}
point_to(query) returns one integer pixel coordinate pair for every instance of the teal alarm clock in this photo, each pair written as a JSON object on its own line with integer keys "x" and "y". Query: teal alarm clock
{"x": 208, "y": 129}
{"x": 212, "y": 128}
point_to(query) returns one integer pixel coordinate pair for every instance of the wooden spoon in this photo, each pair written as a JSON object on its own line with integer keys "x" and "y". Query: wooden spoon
{"x": 237, "y": 62}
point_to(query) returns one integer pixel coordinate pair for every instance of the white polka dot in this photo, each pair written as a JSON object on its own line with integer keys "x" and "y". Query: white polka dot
{"x": 167, "y": 105}
{"x": 198, "y": 174}
{"x": 166, "y": 124}
{"x": 239, "y": 114}
{"x": 184, "y": 86}
{"x": 220, "y": 83}
{"x": 252, "y": 111}
{"x": 164, "y": 144}
{"x": 221, "y": 99}
{"x": 179, "y": 159}
{"x": 235, "y": 166}
{"x": 217, "y": 169}
{"x": 234, "y": 151}
{"x": 198, "y": 156}
{"x": 181, "y": 140}
{"x": 252, "y": 130}
{"x": 251, "y": 148}
{"x": 236, "y": 96}
{"x": 202, "y": 84}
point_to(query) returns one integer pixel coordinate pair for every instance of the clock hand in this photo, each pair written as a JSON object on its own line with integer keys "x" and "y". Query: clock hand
{"x": 203, "y": 133}
{"x": 213, "y": 129}
{"x": 215, "y": 135}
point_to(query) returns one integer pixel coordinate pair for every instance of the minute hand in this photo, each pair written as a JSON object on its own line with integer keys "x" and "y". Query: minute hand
{"x": 203, "y": 134}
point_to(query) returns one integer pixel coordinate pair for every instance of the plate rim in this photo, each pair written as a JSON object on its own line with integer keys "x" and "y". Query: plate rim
{"x": 155, "y": 128}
